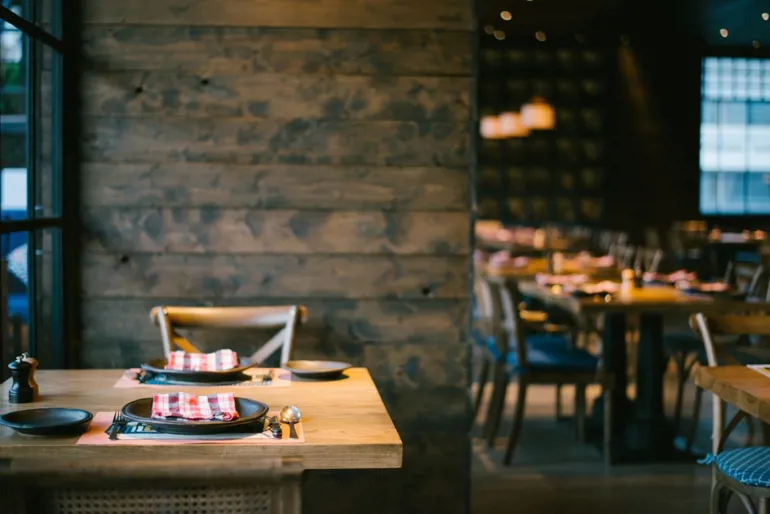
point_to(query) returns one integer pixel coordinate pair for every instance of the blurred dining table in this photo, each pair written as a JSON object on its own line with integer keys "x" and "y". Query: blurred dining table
{"x": 642, "y": 433}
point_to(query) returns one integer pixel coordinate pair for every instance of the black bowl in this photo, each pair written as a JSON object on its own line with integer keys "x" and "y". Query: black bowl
{"x": 249, "y": 412}
{"x": 325, "y": 370}
{"x": 51, "y": 421}
{"x": 155, "y": 368}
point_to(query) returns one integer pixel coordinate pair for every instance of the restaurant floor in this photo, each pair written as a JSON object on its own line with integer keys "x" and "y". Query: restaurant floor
{"x": 552, "y": 473}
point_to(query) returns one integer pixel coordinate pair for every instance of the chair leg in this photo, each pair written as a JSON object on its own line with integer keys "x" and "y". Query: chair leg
{"x": 695, "y": 418}
{"x": 580, "y": 413}
{"x": 750, "y": 430}
{"x": 765, "y": 434}
{"x": 496, "y": 404}
{"x": 762, "y": 502}
{"x": 608, "y": 428}
{"x": 716, "y": 499}
{"x": 518, "y": 420}
{"x": 482, "y": 382}
{"x": 558, "y": 402}
{"x": 680, "y": 381}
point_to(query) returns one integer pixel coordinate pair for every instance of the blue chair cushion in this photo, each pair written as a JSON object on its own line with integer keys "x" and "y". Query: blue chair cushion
{"x": 556, "y": 341}
{"x": 555, "y": 358}
{"x": 748, "y": 466}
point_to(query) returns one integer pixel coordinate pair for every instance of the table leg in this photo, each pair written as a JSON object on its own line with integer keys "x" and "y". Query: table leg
{"x": 650, "y": 433}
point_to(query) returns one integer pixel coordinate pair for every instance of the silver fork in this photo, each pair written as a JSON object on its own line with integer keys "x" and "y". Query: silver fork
{"x": 117, "y": 421}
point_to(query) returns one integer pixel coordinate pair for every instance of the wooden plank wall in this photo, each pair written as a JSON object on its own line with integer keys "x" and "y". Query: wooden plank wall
{"x": 272, "y": 151}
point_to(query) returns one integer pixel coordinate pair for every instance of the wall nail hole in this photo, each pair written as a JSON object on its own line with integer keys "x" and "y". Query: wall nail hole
{"x": 138, "y": 89}
{"x": 427, "y": 291}
{"x": 123, "y": 259}
{"x": 205, "y": 82}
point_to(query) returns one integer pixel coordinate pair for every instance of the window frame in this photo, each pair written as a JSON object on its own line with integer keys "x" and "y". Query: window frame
{"x": 64, "y": 220}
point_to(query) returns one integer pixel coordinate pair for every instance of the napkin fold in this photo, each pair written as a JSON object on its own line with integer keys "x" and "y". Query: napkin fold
{"x": 220, "y": 360}
{"x": 214, "y": 407}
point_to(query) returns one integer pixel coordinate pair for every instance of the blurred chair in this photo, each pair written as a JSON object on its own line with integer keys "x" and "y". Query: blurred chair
{"x": 535, "y": 360}
{"x": 287, "y": 318}
{"x": 170, "y": 485}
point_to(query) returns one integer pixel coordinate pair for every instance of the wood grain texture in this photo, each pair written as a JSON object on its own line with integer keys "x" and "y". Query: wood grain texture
{"x": 370, "y": 442}
{"x": 739, "y": 386}
{"x": 117, "y": 332}
{"x": 237, "y": 276}
{"x": 299, "y": 141}
{"x": 380, "y": 14}
{"x": 275, "y": 186}
{"x": 236, "y": 231}
{"x": 218, "y": 50}
{"x": 276, "y": 96}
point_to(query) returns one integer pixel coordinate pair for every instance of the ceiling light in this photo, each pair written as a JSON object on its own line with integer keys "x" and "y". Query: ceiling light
{"x": 506, "y": 15}
{"x": 489, "y": 29}
{"x": 540, "y": 35}
{"x": 723, "y": 32}
{"x": 499, "y": 35}
{"x": 765, "y": 16}
{"x": 755, "y": 44}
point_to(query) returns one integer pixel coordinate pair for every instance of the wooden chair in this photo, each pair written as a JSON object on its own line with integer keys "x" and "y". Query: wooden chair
{"x": 488, "y": 321}
{"x": 534, "y": 361}
{"x": 686, "y": 350}
{"x": 288, "y": 318}
{"x": 743, "y": 472}
{"x": 131, "y": 486}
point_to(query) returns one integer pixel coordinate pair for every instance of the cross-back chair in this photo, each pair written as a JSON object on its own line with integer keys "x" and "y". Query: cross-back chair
{"x": 536, "y": 360}
{"x": 686, "y": 350}
{"x": 742, "y": 472}
{"x": 288, "y": 318}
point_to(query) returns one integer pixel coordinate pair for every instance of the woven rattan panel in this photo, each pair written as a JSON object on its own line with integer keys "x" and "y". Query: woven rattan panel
{"x": 173, "y": 500}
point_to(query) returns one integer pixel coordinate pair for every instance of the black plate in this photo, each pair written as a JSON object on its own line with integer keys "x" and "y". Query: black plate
{"x": 155, "y": 368}
{"x": 249, "y": 412}
{"x": 316, "y": 369}
{"x": 53, "y": 421}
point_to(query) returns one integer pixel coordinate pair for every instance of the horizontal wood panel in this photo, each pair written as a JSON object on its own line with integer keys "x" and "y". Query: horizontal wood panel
{"x": 274, "y": 186}
{"x": 237, "y": 276}
{"x": 216, "y": 50}
{"x": 445, "y": 14}
{"x": 276, "y": 96}
{"x": 411, "y": 367}
{"x": 299, "y": 141}
{"x": 234, "y": 231}
{"x": 117, "y": 332}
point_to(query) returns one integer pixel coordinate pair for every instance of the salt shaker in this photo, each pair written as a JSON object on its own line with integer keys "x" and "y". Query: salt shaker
{"x": 32, "y": 382}
{"x": 20, "y": 391}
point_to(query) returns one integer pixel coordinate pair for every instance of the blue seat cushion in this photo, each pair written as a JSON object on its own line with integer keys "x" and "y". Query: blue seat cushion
{"x": 555, "y": 358}
{"x": 749, "y": 466}
{"x": 555, "y": 341}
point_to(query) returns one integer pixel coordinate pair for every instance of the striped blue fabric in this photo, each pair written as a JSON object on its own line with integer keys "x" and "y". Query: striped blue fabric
{"x": 748, "y": 466}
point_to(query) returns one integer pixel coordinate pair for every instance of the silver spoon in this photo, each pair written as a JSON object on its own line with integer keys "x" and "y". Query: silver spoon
{"x": 291, "y": 414}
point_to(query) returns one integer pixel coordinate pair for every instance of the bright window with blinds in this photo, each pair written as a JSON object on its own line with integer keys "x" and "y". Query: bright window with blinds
{"x": 735, "y": 136}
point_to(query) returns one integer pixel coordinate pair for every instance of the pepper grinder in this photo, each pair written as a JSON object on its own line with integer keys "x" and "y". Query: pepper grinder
{"x": 32, "y": 382}
{"x": 20, "y": 391}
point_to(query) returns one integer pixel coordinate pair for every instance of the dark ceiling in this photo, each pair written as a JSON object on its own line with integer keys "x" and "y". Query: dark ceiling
{"x": 700, "y": 20}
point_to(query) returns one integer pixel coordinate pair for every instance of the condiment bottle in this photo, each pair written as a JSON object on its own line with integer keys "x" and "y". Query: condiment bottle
{"x": 627, "y": 281}
{"x": 32, "y": 382}
{"x": 20, "y": 391}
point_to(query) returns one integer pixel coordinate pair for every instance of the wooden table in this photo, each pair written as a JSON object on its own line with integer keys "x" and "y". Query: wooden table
{"x": 540, "y": 265}
{"x": 739, "y": 386}
{"x": 345, "y": 422}
{"x": 641, "y": 426}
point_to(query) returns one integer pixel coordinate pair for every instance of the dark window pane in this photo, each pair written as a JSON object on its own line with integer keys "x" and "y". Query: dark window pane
{"x": 15, "y": 294}
{"x": 47, "y": 129}
{"x": 47, "y": 293}
{"x": 730, "y": 193}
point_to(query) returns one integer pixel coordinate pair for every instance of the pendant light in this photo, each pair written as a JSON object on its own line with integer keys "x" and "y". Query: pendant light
{"x": 490, "y": 127}
{"x": 538, "y": 115}
{"x": 511, "y": 125}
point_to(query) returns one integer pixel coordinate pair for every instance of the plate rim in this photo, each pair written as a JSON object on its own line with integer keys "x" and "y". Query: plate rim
{"x": 198, "y": 423}
{"x": 147, "y": 366}
{"x": 344, "y": 366}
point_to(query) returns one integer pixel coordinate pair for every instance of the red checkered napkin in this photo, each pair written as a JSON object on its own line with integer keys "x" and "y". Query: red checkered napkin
{"x": 218, "y": 361}
{"x": 217, "y": 407}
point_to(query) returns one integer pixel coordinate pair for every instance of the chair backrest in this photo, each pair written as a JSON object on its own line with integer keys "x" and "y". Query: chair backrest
{"x": 287, "y": 318}
{"x": 713, "y": 331}
{"x": 511, "y": 332}
{"x": 119, "y": 486}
